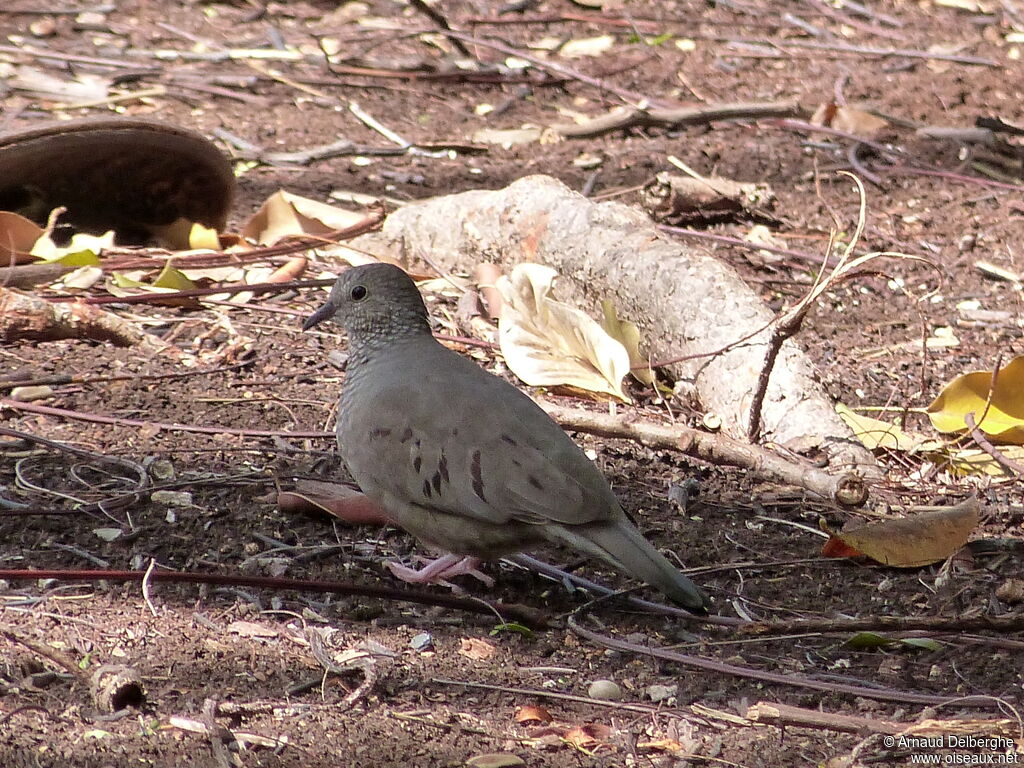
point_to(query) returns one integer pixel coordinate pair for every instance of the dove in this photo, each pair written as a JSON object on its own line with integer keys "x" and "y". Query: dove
{"x": 461, "y": 459}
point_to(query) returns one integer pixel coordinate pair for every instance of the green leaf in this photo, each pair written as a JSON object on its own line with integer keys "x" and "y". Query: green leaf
{"x": 512, "y": 626}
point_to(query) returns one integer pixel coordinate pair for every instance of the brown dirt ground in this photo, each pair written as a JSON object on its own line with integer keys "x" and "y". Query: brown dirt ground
{"x": 865, "y": 337}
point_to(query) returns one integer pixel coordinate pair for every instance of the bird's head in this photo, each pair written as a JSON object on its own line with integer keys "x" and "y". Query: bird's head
{"x": 374, "y": 301}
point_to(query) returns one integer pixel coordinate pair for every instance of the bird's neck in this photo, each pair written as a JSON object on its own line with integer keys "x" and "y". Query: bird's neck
{"x": 368, "y": 344}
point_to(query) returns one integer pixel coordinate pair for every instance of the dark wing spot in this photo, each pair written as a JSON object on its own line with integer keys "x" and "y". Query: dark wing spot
{"x": 455, "y": 431}
{"x": 436, "y": 480}
{"x": 426, "y": 488}
{"x": 478, "y": 481}
{"x": 508, "y": 439}
{"x": 442, "y": 468}
{"x": 417, "y": 463}
{"x": 380, "y": 432}
{"x": 517, "y": 463}
{"x": 535, "y": 482}
{"x": 406, "y": 436}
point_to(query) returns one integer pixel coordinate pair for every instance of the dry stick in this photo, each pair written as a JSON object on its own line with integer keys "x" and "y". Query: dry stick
{"x": 907, "y": 170}
{"x": 873, "y": 29}
{"x": 94, "y": 418}
{"x": 799, "y": 681}
{"x": 438, "y": 18}
{"x": 540, "y": 693}
{"x": 28, "y": 317}
{"x": 848, "y": 489}
{"x": 42, "y": 54}
{"x": 58, "y": 658}
{"x": 675, "y": 117}
{"x": 71, "y": 378}
{"x": 979, "y": 437}
{"x": 526, "y": 614}
{"x": 781, "y": 715}
{"x": 1013, "y": 622}
{"x": 887, "y": 52}
{"x": 802, "y": 256}
{"x": 630, "y": 97}
{"x": 193, "y": 293}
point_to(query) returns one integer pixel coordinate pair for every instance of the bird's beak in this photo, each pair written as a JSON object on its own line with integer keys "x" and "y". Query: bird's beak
{"x": 319, "y": 316}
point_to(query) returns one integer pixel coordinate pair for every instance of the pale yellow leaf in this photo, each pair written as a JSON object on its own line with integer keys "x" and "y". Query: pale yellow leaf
{"x": 875, "y": 433}
{"x": 82, "y": 251}
{"x": 628, "y": 335}
{"x": 284, "y": 214}
{"x": 548, "y": 343}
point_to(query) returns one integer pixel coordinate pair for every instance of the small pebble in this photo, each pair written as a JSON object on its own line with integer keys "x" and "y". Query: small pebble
{"x": 606, "y": 690}
{"x": 661, "y": 692}
{"x": 172, "y": 498}
{"x": 422, "y": 642}
{"x": 30, "y": 393}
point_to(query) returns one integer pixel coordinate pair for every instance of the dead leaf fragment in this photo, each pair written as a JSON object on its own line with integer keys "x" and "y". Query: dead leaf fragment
{"x": 284, "y": 214}
{"x": 17, "y": 236}
{"x": 495, "y": 760}
{"x": 910, "y": 542}
{"x": 476, "y": 649}
{"x": 548, "y": 343}
{"x": 848, "y": 119}
{"x": 532, "y": 714}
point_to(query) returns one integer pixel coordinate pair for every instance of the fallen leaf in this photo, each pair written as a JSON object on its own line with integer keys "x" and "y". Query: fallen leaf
{"x": 876, "y": 434}
{"x": 628, "y": 335}
{"x": 589, "y": 737}
{"x": 495, "y": 760}
{"x": 910, "y": 542}
{"x": 508, "y": 137}
{"x": 17, "y": 236}
{"x": 548, "y": 343}
{"x": 532, "y": 714}
{"x": 251, "y": 629}
{"x": 476, "y": 649}
{"x": 82, "y": 251}
{"x": 285, "y": 215}
{"x": 969, "y": 393}
{"x": 848, "y": 119}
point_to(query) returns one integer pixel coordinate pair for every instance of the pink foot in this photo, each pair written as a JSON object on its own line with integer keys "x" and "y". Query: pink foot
{"x": 437, "y": 571}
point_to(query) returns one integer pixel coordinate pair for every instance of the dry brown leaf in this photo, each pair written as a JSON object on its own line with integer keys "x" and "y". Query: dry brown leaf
{"x": 848, "y": 119}
{"x": 343, "y": 503}
{"x": 17, "y": 236}
{"x": 475, "y": 648}
{"x": 532, "y": 714}
{"x": 911, "y": 542}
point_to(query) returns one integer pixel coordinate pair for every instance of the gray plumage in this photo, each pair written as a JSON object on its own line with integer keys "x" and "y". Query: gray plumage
{"x": 458, "y": 457}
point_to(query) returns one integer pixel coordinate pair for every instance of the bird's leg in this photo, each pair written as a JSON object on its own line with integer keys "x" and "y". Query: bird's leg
{"x": 444, "y": 567}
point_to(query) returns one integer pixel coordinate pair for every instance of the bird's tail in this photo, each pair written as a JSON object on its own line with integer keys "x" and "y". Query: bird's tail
{"x": 620, "y": 544}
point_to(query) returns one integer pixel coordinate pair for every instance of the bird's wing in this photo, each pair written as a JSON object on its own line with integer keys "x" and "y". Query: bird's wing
{"x": 485, "y": 451}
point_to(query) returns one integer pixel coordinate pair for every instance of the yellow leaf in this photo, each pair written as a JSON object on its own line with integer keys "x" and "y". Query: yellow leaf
{"x": 173, "y": 279}
{"x": 628, "y": 335}
{"x": 875, "y": 433}
{"x": 974, "y": 461}
{"x": 1004, "y": 416}
{"x": 548, "y": 343}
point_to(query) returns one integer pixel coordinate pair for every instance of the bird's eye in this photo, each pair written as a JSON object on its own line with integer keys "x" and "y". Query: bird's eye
{"x": 358, "y": 292}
